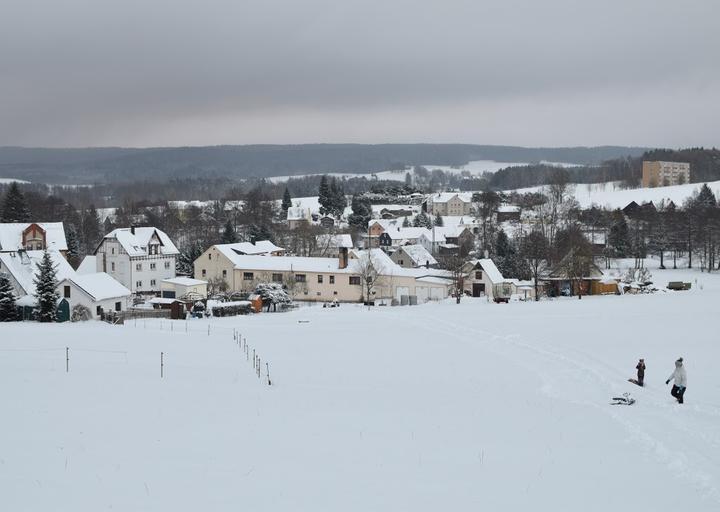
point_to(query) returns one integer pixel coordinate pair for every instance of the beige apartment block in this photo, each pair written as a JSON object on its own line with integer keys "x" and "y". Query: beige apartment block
{"x": 665, "y": 174}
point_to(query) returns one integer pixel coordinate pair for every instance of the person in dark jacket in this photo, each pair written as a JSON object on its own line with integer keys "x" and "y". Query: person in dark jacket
{"x": 640, "y": 372}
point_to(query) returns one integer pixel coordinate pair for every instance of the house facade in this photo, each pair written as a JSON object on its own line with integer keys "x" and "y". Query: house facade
{"x": 98, "y": 292}
{"x": 482, "y": 277}
{"x": 139, "y": 258}
{"x": 449, "y": 203}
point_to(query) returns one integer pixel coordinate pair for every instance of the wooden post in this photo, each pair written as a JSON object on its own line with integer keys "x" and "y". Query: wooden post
{"x": 208, "y": 329}
{"x": 171, "y": 326}
{"x": 267, "y": 369}
{"x": 162, "y": 364}
{"x": 67, "y": 359}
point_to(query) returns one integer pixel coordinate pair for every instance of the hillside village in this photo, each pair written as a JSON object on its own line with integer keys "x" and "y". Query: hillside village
{"x": 390, "y": 249}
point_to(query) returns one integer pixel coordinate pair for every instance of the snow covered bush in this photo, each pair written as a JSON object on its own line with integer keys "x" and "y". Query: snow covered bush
{"x": 272, "y": 294}
{"x": 80, "y": 313}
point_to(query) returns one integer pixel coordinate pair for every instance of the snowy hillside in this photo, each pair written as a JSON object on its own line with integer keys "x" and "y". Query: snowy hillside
{"x": 435, "y": 407}
{"x": 612, "y": 196}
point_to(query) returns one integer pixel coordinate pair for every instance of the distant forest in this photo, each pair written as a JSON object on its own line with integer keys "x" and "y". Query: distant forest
{"x": 123, "y": 165}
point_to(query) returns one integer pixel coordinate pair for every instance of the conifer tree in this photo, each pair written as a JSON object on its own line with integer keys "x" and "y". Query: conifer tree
{"x": 8, "y": 308}
{"x": 46, "y": 290}
{"x": 324, "y": 197}
{"x": 286, "y": 201}
{"x": 229, "y": 236}
{"x": 73, "y": 246}
{"x": 91, "y": 230}
{"x": 406, "y": 222}
{"x": 438, "y": 220}
{"x": 14, "y": 206}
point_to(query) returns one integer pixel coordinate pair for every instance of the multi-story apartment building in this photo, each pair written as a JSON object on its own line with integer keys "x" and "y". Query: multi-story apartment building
{"x": 665, "y": 174}
{"x": 449, "y": 203}
{"x": 139, "y": 258}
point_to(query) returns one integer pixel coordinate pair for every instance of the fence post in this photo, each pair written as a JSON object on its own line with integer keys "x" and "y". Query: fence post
{"x": 267, "y": 369}
{"x": 208, "y": 329}
{"x": 162, "y": 364}
{"x": 67, "y": 360}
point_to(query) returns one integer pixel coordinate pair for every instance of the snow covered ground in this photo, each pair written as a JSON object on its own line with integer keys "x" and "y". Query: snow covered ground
{"x": 612, "y": 196}
{"x": 10, "y": 180}
{"x": 434, "y": 407}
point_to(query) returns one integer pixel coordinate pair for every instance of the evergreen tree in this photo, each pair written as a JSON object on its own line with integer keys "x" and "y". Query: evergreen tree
{"x": 339, "y": 202}
{"x": 14, "y": 206}
{"x": 361, "y": 212}
{"x": 286, "y": 201}
{"x": 421, "y": 220}
{"x": 8, "y": 308}
{"x": 324, "y": 197}
{"x": 619, "y": 236}
{"x": 91, "y": 230}
{"x": 186, "y": 260}
{"x": 406, "y": 222}
{"x": 438, "y": 220}
{"x": 46, "y": 290}
{"x": 73, "y": 245}
{"x": 257, "y": 232}
{"x": 229, "y": 236}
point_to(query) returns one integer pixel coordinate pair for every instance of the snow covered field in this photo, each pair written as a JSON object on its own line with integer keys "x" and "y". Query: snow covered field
{"x": 434, "y": 407}
{"x": 612, "y": 196}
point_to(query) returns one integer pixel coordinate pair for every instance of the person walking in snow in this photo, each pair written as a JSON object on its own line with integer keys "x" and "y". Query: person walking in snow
{"x": 640, "y": 372}
{"x": 679, "y": 378}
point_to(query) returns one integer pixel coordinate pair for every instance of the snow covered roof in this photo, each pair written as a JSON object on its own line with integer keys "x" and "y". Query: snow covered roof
{"x": 285, "y": 263}
{"x": 99, "y": 286}
{"x": 184, "y": 281}
{"x": 508, "y": 208}
{"x": 261, "y": 247}
{"x": 489, "y": 267}
{"x": 335, "y": 241}
{"x": 88, "y": 265}
{"x": 298, "y": 213}
{"x": 136, "y": 244}
{"x": 444, "y": 197}
{"x": 400, "y": 233}
{"x": 418, "y": 254}
{"x": 22, "y": 266}
{"x": 11, "y": 235}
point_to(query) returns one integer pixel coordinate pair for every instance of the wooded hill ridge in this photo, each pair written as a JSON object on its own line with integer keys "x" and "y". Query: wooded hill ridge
{"x": 111, "y": 164}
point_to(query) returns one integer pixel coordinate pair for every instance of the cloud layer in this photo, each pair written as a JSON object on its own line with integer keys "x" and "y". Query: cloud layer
{"x": 557, "y": 72}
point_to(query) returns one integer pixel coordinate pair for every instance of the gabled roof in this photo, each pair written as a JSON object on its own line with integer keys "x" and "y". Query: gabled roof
{"x": 488, "y": 266}
{"x": 418, "y": 254}
{"x": 261, "y": 247}
{"x": 184, "y": 281}
{"x": 11, "y": 235}
{"x": 99, "y": 286}
{"x": 335, "y": 241}
{"x": 88, "y": 265}
{"x": 22, "y": 266}
{"x": 136, "y": 244}
{"x": 444, "y": 197}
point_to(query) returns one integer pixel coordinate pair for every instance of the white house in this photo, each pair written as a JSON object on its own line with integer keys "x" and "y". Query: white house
{"x": 22, "y": 267}
{"x": 183, "y": 287}
{"x": 481, "y": 278}
{"x": 98, "y": 292}
{"x": 413, "y": 256}
{"x": 139, "y": 258}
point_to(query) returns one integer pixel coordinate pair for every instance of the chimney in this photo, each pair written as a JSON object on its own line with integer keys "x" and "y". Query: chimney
{"x": 343, "y": 257}
{"x": 132, "y": 229}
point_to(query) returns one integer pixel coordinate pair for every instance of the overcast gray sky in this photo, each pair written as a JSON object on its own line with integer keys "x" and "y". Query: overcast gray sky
{"x": 187, "y": 72}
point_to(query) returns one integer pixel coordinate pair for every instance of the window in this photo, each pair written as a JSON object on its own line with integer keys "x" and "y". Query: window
{"x": 98, "y": 311}
{"x": 204, "y": 272}
{"x": 401, "y": 262}
{"x": 355, "y": 280}
{"x": 335, "y": 292}
{"x": 112, "y": 251}
{"x": 320, "y": 278}
{"x": 112, "y": 266}
{"x": 224, "y": 273}
{"x": 66, "y": 292}
{"x": 118, "y": 306}
{"x": 248, "y": 276}
{"x": 277, "y": 278}
{"x": 300, "y": 278}
{"x": 332, "y": 279}
{"x": 138, "y": 284}
{"x": 138, "y": 266}
{"x": 152, "y": 266}
{"x": 167, "y": 265}
{"x": 152, "y": 282}
{"x": 478, "y": 274}
{"x": 210, "y": 257}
